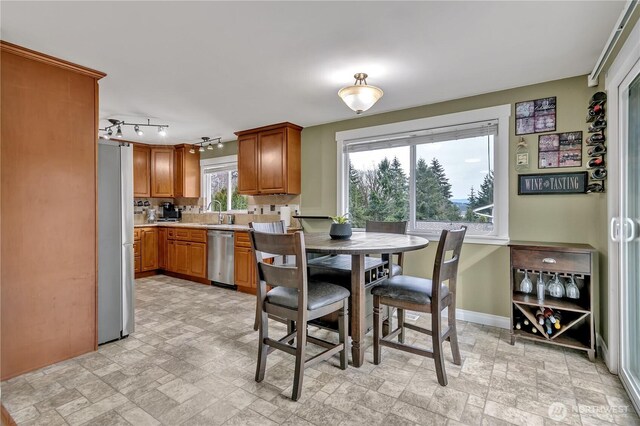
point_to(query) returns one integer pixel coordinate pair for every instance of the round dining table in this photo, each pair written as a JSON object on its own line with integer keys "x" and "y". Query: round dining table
{"x": 358, "y": 246}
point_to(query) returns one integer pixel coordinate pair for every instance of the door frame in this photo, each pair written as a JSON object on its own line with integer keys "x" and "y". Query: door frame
{"x": 624, "y": 63}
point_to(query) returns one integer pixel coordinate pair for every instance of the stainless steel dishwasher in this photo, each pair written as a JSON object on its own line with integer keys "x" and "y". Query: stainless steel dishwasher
{"x": 220, "y": 257}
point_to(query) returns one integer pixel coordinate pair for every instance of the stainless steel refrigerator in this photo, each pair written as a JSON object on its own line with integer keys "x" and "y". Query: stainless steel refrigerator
{"x": 116, "y": 285}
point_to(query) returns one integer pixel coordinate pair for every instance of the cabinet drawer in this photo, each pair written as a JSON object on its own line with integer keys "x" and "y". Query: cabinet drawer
{"x": 171, "y": 233}
{"x": 136, "y": 249}
{"x": 136, "y": 234}
{"x": 198, "y": 235}
{"x": 181, "y": 234}
{"x": 241, "y": 239}
{"x": 552, "y": 261}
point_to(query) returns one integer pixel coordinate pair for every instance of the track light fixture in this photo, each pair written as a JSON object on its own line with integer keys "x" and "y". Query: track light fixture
{"x": 206, "y": 141}
{"x": 118, "y": 124}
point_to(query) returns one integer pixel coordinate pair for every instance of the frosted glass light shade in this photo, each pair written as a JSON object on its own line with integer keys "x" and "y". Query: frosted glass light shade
{"x": 360, "y": 97}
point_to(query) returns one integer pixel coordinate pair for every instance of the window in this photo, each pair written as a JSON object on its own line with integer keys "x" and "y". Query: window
{"x": 437, "y": 173}
{"x": 219, "y": 179}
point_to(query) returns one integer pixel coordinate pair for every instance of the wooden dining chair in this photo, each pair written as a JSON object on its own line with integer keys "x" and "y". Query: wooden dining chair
{"x": 294, "y": 300}
{"x": 271, "y": 228}
{"x": 390, "y": 228}
{"x": 423, "y": 295}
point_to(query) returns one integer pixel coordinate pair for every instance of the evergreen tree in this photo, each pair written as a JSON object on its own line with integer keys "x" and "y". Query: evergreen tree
{"x": 472, "y": 203}
{"x": 441, "y": 177}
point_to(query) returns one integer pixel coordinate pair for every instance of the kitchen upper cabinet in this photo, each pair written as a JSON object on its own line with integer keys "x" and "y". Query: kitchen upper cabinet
{"x": 186, "y": 172}
{"x": 162, "y": 172}
{"x": 269, "y": 160}
{"x": 248, "y": 164}
{"x": 149, "y": 249}
{"x": 141, "y": 171}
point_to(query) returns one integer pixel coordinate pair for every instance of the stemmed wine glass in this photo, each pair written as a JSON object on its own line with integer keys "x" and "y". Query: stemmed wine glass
{"x": 526, "y": 286}
{"x": 571, "y": 289}
{"x": 556, "y": 289}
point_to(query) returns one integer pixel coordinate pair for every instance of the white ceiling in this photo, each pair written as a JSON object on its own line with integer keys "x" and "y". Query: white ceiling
{"x": 212, "y": 68}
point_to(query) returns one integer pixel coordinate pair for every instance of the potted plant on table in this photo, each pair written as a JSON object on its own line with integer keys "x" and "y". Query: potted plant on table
{"x": 340, "y": 228}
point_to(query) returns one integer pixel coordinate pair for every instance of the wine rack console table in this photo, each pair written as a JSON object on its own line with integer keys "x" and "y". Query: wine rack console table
{"x": 575, "y": 328}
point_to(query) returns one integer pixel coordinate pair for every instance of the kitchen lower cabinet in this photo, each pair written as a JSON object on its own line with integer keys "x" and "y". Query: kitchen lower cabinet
{"x": 197, "y": 260}
{"x": 186, "y": 252}
{"x": 244, "y": 266}
{"x": 162, "y": 248}
{"x": 149, "y": 249}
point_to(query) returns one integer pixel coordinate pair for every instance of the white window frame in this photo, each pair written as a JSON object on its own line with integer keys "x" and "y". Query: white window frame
{"x": 227, "y": 163}
{"x": 501, "y": 113}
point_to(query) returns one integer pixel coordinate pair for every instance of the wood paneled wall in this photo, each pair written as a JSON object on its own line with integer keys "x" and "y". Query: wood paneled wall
{"x": 48, "y": 210}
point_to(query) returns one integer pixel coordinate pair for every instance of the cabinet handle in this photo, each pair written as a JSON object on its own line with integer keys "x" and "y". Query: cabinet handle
{"x": 549, "y": 260}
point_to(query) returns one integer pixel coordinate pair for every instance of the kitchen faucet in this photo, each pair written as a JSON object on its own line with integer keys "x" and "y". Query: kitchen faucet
{"x": 219, "y": 210}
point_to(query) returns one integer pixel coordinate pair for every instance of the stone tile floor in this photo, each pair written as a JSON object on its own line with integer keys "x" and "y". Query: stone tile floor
{"x": 192, "y": 358}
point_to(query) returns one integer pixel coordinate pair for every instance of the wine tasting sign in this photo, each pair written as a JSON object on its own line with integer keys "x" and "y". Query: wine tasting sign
{"x": 552, "y": 183}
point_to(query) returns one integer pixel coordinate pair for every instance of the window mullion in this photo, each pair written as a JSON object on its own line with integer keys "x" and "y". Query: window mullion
{"x": 412, "y": 187}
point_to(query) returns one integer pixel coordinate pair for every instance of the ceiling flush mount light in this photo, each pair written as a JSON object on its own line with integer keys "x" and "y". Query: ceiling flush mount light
{"x": 119, "y": 124}
{"x": 360, "y": 97}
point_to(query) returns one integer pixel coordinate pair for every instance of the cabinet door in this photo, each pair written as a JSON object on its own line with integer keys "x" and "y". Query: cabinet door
{"x": 248, "y": 164}
{"x": 162, "y": 172}
{"x": 171, "y": 256}
{"x": 149, "y": 249}
{"x": 178, "y": 172}
{"x": 272, "y": 157}
{"x": 182, "y": 257}
{"x": 162, "y": 248}
{"x": 243, "y": 268}
{"x": 198, "y": 260}
{"x": 141, "y": 171}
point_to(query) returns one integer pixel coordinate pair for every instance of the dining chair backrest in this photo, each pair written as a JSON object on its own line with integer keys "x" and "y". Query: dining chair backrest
{"x": 446, "y": 268}
{"x": 269, "y": 227}
{"x": 387, "y": 227}
{"x": 292, "y": 275}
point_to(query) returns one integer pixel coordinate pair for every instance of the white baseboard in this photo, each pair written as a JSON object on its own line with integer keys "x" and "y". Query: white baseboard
{"x": 484, "y": 319}
{"x": 603, "y": 350}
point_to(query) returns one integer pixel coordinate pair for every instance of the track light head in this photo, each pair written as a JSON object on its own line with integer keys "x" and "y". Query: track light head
{"x": 119, "y": 132}
{"x": 192, "y": 151}
{"x": 201, "y": 149}
{"x": 210, "y": 147}
{"x": 161, "y": 131}
{"x": 137, "y": 129}
{"x": 220, "y": 144}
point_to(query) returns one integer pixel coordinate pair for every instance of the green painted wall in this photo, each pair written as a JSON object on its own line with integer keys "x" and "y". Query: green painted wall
{"x": 484, "y": 271}
{"x": 483, "y": 284}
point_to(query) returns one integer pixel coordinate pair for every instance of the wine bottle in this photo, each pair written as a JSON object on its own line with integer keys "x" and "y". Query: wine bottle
{"x": 548, "y": 313}
{"x": 547, "y": 324}
{"x": 526, "y": 322}
{"x": 558, "y": 316}
{"x": 540, "y": 317}
{"x": 534, "y": 330}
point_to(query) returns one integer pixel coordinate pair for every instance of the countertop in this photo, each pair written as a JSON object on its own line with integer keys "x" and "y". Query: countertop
{"x": 222, "y": 227}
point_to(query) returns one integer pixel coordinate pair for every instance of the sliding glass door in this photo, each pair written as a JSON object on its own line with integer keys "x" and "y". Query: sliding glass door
{"x": 629, "y": 272}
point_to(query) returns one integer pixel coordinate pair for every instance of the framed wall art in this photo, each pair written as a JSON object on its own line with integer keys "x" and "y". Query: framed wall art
{"x": 560, "y": 150}
{"x": 537, "y": 116}
{"x": 552, "y": 183}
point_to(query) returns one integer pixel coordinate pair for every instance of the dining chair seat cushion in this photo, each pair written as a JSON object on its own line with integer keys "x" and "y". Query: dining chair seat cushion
{"x": 320, "y": 294}
{"x": 408, "y": 289}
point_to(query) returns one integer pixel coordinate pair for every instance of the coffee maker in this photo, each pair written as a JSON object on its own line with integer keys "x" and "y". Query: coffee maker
{"x": 170, "y": 213}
